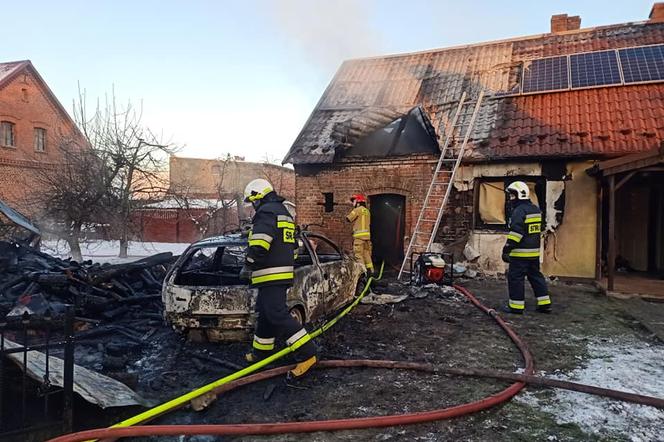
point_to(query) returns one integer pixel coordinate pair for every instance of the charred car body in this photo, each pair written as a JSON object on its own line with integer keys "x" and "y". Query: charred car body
{"x": 205, "y": 298}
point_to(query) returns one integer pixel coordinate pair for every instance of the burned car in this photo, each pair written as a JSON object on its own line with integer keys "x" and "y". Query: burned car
{"x": 204, "y": 297}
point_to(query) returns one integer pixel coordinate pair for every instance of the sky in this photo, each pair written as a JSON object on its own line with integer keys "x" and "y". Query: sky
{"x": 241, "y": 77}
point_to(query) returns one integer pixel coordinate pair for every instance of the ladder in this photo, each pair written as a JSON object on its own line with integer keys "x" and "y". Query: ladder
{"x": 443, "y": 179}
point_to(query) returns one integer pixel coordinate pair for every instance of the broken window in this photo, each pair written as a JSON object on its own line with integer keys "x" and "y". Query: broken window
{"x": 40, "y": 139}
{"x": 212, "y": 266}
{"x": 7, "y": 133}
{"x": 491, "y": 208}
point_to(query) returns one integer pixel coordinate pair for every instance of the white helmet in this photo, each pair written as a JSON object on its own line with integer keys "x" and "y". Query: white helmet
{"x": 520, "y": 189}
{"x": 257, "y": 189}
{"x": 290, "y": 206}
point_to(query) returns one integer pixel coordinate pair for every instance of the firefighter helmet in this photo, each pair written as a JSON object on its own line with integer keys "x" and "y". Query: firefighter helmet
{"x": 257, "y": 189}
{"x": 358, "y": 198}
{"x": 519, "y": 189}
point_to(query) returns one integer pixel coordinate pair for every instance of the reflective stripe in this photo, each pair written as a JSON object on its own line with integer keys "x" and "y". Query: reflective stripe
{"x": 272, "y": 270}
{"x": 262, "y": 236}
{"x": 534, "y": 218}
{"x": 525, "y": 253}
{"x": 284, "y": 218}
{"x": 514, "y": 236}
{"x": 263, "y": 340}
{"x": 543, "y": 300}
{"x": 285, "y": 225}
{"x": 264, "y": 347}
{"x": 517, "y": 305}
{"x": 269, "y": 278}
{"x": 259, "y": 243}
{"x": 362, "y": 234}
{"x": 297, "y": 335}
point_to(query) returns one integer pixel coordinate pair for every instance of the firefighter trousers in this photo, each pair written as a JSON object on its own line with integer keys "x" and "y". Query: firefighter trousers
{"x": 520, "y": 269}
{"x": 274, "y": 321}
{"x": 362, "y": 251}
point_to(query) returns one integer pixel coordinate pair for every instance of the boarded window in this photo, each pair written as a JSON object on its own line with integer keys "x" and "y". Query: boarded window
{"x": 492, "y": 202}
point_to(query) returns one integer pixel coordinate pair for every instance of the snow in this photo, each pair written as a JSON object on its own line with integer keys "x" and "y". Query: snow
{"x": 107, "y": 251}
{"x": 192, "y": 203}
{"x": 626, "y": 364}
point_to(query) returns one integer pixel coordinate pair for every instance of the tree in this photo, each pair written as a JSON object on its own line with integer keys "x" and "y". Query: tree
{"x": 110, "y": 167}
{"x": 134, "y": 154}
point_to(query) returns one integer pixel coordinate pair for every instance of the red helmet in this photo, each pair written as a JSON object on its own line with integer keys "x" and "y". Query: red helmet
{"x": 358, "y": 198}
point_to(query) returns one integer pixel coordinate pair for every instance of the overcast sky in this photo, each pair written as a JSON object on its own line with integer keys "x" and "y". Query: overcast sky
{"x": 242, "y": 77}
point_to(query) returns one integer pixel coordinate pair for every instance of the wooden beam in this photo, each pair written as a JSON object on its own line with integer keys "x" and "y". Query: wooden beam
{"x": 624, "y": 180}
{"x": 611, "y": 264}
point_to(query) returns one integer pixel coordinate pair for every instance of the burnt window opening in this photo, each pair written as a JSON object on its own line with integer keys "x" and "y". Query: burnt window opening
{"x": 492, "y": 210}
{"x": 408, "y": 134}
{"x": 7, "y": 131}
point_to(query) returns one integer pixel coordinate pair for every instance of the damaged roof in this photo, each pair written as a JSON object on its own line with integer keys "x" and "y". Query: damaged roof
{"x": 601, "y": 121}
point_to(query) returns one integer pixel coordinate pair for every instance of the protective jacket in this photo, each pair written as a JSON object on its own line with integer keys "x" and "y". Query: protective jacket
{"x": 361, "y": 219}
{"x": 523, "y": 239}
{"x": 272, "y": 243}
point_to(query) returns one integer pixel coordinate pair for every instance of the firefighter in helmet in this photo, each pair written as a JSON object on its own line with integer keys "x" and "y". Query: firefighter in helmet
{"x": 522, "y": 251}
{"x": 361, "y": 219}
{"x": 269, "y": 266}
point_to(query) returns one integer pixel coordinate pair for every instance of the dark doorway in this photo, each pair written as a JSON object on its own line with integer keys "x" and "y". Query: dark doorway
{"x": 387, "y": 228}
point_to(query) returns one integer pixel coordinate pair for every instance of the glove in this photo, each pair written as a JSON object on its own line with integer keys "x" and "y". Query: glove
{"x": 506, "y": 257}
{"x": 245, "y": 273}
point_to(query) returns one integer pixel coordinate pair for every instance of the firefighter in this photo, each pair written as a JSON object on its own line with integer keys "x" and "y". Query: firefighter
{"x": 269, "y": 265}
{"x": 361, "y": 219}
{"x": 522, "y": 251}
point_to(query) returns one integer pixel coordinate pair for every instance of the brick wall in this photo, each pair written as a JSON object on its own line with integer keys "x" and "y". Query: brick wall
{"x": 203, "y": 177}
{"x": 27, "y": 104}
{"x": 408, "y": 176}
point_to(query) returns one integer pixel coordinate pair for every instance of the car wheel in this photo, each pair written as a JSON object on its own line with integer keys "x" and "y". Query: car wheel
{"x": 361, "y": 283}
{"x": 297, "y": 314}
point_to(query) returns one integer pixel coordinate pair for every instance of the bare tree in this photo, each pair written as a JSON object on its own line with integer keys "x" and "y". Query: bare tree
{"x": 132, "y": 151}
{"x": 75, "y": 192}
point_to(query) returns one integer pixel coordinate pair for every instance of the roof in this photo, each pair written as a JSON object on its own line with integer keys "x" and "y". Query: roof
{"x": 605, "y": 121}
{"x": 10, "y": 70}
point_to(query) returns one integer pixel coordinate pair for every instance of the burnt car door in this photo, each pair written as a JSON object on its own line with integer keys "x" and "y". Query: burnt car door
{"x": 336, "y": 275}
{"x": 309, "y": 285}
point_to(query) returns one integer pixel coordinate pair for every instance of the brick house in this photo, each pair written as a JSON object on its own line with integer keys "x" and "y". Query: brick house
{"x": 203, "y": 198}
{"x": 556, "y": 104}
{"x": 32, "y": 123}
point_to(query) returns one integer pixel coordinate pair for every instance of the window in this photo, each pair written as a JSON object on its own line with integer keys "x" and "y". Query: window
{"x": 491, "y": 208}
{"x": 40, "y": 139}
{"x": 7, "y": 134}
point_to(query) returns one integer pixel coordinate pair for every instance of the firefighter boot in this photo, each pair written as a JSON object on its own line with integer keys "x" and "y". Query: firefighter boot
{"x": 300, "y": 369}
{"x": 508, "y": 309}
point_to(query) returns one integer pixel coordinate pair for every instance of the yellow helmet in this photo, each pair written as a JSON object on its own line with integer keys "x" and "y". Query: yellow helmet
{"x": 257, "y": 189}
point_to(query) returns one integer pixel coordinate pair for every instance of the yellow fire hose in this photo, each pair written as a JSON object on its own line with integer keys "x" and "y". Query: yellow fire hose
{"x": 181, "y": 400}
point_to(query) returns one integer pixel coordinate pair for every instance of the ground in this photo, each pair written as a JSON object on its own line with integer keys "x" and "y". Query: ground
{"x": 588, "y": 338}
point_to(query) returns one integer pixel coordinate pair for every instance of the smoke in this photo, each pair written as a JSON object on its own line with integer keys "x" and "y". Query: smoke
{"x": 328, "y": 32}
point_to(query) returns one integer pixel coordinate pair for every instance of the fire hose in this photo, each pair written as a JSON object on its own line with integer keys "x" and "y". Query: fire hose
{"x": 125, "y": 429}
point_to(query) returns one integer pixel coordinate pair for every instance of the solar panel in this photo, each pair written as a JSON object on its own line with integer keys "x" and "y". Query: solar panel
{"x": 545, "y": 74}
{"x": 645, "y": 63}
{"x": 594, "y": 69}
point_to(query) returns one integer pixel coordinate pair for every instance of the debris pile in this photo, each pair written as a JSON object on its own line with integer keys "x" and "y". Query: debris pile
{"x": 36, "y": 283}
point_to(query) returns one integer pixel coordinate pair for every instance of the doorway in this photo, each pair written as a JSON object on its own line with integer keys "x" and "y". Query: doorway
{"x": 388, "y": 215}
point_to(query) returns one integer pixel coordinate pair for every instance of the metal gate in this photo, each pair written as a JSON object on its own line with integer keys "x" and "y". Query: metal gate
{"x": 29, "y": 405}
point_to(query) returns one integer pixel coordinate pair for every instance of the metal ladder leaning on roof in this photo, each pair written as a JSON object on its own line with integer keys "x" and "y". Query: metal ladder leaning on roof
{"x": 441, "y": 182}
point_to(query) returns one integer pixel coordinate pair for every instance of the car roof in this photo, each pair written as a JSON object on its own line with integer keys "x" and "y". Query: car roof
{"x": 223, "y": 240}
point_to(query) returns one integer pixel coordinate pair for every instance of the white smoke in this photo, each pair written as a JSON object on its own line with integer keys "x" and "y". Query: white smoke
{"x": 328, "y": 32}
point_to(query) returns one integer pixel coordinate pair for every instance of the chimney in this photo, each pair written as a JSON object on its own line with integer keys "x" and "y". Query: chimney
{"x": 657, "y": 13}
{"x": 563, "y": 23}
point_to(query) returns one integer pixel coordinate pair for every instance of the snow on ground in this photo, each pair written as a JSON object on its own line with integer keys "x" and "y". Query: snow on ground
{"x": 627, "y": 365}
{"x": 107, "y": 251}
